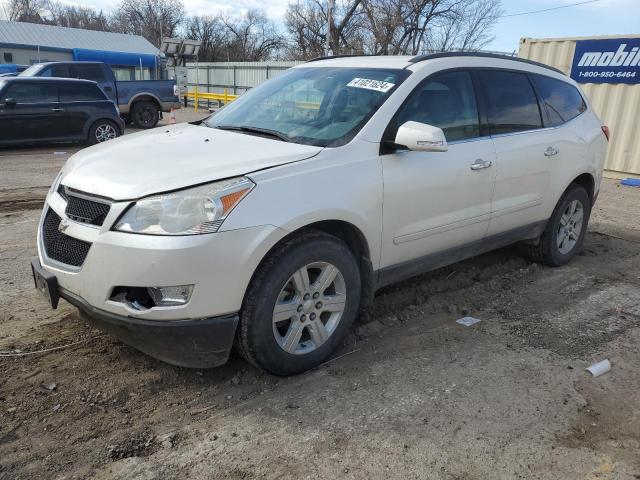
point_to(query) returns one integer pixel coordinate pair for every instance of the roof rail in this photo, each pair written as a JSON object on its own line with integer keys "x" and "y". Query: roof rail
{"x": 329, "y": 57}
{"x": 431, "y": 56}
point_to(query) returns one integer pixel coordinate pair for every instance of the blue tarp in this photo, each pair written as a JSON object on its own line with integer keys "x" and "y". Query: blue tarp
{"x": 8, "y": 68}
{"x": 631, "y": 182}
{"x": 114, "y": 58}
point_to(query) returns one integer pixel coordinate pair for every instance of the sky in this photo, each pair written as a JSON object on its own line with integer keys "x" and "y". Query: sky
{"x": 601, "y": 17}
{"x": 604, "y": 17}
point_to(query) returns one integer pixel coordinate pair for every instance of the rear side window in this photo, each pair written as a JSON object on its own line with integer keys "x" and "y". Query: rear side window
{"x": 562, "y": 101}
{"x": 80, "y": 93}
{"x": 90, "y": 72}
{"x": 446, "y": 101}
{"x": 61, "y": 71}
{"x": 30, "y": 92}
{"x": 511, "y": 102}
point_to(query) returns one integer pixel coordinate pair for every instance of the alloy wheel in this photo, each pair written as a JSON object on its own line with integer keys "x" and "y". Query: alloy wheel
{"x": 105, "y": 132}
{"x": 309, "y": 308}
{"x": 571, "y": 223}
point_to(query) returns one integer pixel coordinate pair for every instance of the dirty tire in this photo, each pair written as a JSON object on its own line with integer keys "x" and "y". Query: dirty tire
{"x": 547, "y": 251}
{"x": 145, "y": 114}
{"x": 256, "y": 338}
{"x": 103, "y": 130}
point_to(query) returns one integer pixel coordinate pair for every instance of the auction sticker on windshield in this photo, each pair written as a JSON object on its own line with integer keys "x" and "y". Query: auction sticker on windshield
{"x": 377, "y": 85}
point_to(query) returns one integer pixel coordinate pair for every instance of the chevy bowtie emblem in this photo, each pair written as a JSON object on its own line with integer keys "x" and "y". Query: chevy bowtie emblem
{"x": 64, "y": 224}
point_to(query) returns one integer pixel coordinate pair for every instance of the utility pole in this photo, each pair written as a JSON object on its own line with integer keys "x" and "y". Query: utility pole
{"x": 330, "y": 8}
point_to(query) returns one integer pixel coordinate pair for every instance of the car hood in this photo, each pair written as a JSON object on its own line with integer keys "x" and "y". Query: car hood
{"x": 170, "y": 158}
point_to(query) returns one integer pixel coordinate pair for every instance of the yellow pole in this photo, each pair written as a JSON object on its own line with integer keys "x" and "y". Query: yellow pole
{"x": 226, "y": 96}
{"x": 195, "y": 99}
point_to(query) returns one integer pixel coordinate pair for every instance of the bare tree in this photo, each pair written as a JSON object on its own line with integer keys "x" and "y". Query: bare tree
{"x": 252, "y": 37}
{"x": 468, "y": 29}
{"x": 308, "y": 24}
{"x": 391, "y": 27}
{"x": 153, "y": 19}
{"x": 66, "y": 15}
{"x": 31, "y": 11}
{"x": 213, "y": 36}
{"x": 376, "y": 27}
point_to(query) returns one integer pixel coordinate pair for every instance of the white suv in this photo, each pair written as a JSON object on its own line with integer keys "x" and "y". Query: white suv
{"x": 269, "y": 224}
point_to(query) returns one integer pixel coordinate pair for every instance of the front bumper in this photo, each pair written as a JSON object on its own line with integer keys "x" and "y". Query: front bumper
{"x": 219, "y": 265}
{"x": 198, "y": 334}
{"x": 202, "y": 343}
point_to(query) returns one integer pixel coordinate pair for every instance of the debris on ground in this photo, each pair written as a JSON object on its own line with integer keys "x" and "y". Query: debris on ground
{"x": 467, "y": 321}
{"x": 135, "y": 446}
{"x": 599, "y": 368}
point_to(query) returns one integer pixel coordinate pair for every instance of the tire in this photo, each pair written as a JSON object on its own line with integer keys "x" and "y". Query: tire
{"x": 552, "y": 249}
{"x": 275, "y": 346}
{"x": 145, "y": 114}
{"x": 103, "y": 130}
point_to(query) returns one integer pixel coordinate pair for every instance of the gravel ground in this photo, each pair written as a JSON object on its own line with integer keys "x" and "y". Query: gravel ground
{"x": 410, "y": 394}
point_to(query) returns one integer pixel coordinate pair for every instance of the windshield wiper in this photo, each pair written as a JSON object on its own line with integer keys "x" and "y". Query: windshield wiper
{"x": 255, "y": 130}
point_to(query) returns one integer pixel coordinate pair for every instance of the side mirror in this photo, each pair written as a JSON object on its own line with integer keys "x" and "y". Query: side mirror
{"x": 421, "y": 137}
{"x": 10, "y": 102}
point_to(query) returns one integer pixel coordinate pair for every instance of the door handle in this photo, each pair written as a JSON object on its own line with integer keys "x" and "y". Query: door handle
{"x": 551, "y": 151}
{"x": 479, "y": 164}
{"x": 57, "y": 109}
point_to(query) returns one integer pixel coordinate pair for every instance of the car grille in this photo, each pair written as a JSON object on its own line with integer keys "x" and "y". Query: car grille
{"x": 60, "y": 247}
{"x": 83, "y": 210}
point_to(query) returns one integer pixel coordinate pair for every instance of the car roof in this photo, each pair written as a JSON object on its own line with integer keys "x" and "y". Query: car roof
{"x": 49, "y": 79}
{"x": 72, "y": 62}
{"x": 360, "y": 61}
{"x": 415, "y": 61}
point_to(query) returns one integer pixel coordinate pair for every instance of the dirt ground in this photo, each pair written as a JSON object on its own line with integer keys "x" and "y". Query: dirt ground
{"x": 410, "y": 394}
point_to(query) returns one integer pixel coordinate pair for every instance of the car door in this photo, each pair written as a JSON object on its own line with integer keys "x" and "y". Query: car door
{"x": 436, "y": 202}
{"x": 561, "y": 103}
{"x": 78, "y": 103}
{"x": 35, "y": 114}
{"x": 95, "y": 73}
{"x": 523, "y": 147}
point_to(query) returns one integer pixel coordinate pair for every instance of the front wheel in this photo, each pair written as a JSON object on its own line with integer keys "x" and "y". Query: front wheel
{"x": 563, "y": 236}
{"x": 300, "y": 305}
{"x": 103, "y": 130}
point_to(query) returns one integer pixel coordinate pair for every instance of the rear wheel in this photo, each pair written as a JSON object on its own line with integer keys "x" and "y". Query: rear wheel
{"x": 300, "y": 305}
{"x": 103, "y": 130}
{"x": 145, "y": 114}
{"x": 563, "y": 236}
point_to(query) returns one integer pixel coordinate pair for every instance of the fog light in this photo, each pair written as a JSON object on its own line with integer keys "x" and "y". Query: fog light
{"x": 170, "y": 296}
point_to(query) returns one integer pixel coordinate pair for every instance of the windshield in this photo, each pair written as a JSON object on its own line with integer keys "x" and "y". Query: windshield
{"x": 32, "y": 70}
{"x": 315, "y": 106}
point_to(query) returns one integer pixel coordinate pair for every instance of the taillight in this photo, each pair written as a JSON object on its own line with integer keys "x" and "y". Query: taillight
{"x": 605, "y": 130}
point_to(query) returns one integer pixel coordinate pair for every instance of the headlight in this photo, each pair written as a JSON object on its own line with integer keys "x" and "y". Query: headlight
{"x": 56, "y": 182}
{"x": 187, "y": 212}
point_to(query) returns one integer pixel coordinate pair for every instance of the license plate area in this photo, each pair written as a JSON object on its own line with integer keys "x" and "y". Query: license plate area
{"x": 46, "y": 283}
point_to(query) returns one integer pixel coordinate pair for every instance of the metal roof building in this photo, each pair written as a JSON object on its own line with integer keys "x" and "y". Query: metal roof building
{"x": 29, "y": 43}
